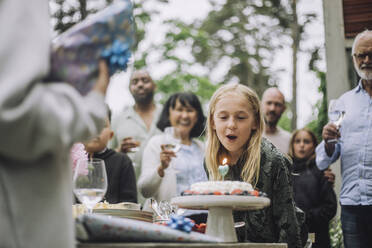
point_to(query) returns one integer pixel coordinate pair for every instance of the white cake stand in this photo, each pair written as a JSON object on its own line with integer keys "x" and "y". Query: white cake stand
{"x": 220, "y": 222}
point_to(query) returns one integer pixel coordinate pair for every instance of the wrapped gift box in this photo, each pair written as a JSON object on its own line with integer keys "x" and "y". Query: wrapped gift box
{"x": 76, "y": 52}
{"x": 101, "y": 228}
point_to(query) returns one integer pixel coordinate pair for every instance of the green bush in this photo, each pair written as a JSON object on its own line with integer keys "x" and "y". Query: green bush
{"x": 335, "y": 233}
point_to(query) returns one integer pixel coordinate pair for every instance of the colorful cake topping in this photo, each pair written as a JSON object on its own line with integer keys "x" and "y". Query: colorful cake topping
{"x": 222, "y": 188}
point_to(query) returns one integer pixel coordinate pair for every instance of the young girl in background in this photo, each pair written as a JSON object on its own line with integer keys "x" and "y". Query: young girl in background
{"x": 312, "y": 191}
{"x": 234, "y": 131}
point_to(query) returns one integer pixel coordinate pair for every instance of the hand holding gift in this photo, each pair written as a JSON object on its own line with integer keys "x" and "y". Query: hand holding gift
{"x": 108, "y": 34}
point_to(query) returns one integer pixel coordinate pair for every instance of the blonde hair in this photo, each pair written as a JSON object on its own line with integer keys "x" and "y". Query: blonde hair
{"x": 252, "y": 154}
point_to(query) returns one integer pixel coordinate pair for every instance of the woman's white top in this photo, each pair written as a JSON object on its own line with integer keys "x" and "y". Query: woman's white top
{"x": 184, "y": 170}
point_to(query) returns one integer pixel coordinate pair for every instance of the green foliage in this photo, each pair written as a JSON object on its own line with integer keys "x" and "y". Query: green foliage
{"x": 178, "y": 82}
{"x": 237, "y": 37}
{"x": 142, "y": 17}
{"x": 285, "y": 120}
{"x": 65, "y": 14}
{"x": 335, "y": 233}
{"x": 241, "y": 33}
{"x": 321, "y": 106}
{"x": 236, "y": 40}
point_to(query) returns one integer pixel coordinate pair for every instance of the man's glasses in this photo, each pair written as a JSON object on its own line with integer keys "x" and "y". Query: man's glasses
{"x": 362, "y": 56}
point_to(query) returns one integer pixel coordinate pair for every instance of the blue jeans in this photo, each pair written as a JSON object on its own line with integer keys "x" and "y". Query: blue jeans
{"x": 357, "y": 226}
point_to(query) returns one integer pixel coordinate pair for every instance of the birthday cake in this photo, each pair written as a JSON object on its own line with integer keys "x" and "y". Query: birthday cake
{"x": 222, "y": 188}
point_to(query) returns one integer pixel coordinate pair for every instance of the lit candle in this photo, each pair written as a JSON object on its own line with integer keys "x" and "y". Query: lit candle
{"x": 224, "y": 168}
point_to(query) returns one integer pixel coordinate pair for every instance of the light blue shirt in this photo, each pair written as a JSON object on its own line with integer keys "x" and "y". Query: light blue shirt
{"x": 189, "y": 167}
{"x": 354, "y": 148}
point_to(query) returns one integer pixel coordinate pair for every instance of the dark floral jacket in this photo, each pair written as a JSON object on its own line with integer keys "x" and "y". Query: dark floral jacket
{"x": 276, "y": 223}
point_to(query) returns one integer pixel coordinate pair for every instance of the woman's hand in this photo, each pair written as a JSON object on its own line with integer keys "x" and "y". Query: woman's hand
{"x": 165, "y": 159}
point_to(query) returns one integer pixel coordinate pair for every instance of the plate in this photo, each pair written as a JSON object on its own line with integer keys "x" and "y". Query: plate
{"x": 125, "y": 213}
{"x": 236, "y": 202}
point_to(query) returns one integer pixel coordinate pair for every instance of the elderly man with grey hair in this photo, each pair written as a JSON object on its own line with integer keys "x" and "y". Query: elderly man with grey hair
{"x": 354, "y": 147}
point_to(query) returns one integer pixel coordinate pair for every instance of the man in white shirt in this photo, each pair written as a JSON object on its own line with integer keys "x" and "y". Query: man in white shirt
{"x": 135, "y": 125}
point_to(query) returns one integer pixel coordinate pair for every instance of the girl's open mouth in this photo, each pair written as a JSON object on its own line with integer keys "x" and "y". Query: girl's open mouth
{"x": 231, "y": 137}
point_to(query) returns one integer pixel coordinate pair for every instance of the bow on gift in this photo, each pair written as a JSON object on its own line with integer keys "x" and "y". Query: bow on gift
{"x": 117, "y": 56}
{"x": 180, "y": 223}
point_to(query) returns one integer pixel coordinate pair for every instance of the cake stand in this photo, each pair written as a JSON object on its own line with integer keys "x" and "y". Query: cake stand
{"x": 220, "y": 222}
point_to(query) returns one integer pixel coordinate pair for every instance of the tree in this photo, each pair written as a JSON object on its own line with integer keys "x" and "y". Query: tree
{"x": 65, "y": 14}
{"x": 237, "y": 41}
{"x": 297, "y": 31}
{"x": 321, "y": 106}
{"x": 239, "y": 37}
{"x": 296, "y": 37}
{"x": 179, "y": 78}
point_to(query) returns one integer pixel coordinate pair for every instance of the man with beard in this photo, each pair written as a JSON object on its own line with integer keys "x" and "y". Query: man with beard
{"x": 354, "y": 148}
{"x": 273, "y": 106}
{"x": 136, "y": 124}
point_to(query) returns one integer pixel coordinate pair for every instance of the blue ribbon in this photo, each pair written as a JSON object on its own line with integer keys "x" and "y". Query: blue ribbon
{"x": 117, "y": 56}
{"x": 180, "y": 223}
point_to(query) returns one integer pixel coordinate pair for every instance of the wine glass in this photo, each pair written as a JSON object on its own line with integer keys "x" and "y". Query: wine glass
{"x": 170, "y": 141}
{"x": 137, "y": 147}
{"x": 336, "y": 114}
{"x": 90, "y": 182}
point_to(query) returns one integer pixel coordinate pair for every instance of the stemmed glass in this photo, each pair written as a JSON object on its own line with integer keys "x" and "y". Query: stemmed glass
{"x": 137, "y": 147}
{"x": 170, "y": 141}
{"x": 90, "y": 182}
{"x": 336, "y": 114}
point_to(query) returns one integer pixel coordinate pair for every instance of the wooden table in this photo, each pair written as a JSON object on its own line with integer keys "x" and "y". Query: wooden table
{"x": 181, "y": 245}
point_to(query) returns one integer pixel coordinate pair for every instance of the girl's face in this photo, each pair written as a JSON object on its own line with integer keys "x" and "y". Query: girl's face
{"x": 303, "y": 146}
{"x": 234, "y": 122}
{"x": 183, "y": 118}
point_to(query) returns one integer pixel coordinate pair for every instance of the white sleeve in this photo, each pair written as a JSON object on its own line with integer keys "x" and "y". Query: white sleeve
{"x": 45, "y": 118}
{"x": 37, "y": 119}
{"x": 149, "y": 180}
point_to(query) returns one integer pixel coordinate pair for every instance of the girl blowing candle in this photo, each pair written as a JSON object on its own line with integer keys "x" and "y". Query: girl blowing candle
{"x": 234, "y": 130}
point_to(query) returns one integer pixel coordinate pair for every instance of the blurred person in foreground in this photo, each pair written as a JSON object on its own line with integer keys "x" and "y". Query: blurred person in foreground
{"x": 38, "y": 124}
{"x": 354, "y": 148}
{"x": 311, "y": 191}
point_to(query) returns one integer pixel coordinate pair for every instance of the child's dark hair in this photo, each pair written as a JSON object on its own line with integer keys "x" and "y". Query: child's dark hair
{"x": 185, "y": 98}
